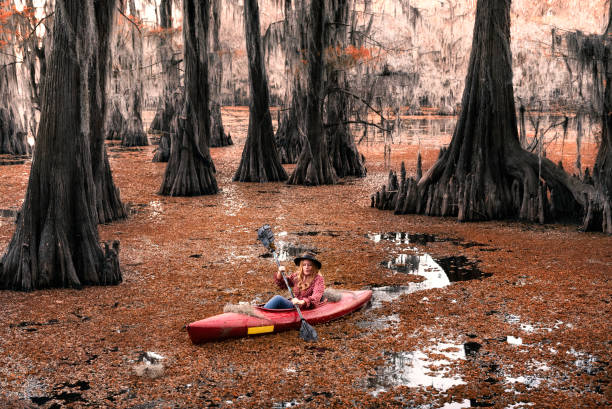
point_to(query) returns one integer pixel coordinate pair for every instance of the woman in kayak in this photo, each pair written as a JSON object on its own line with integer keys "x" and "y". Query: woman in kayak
{"x": 307, "y": 284}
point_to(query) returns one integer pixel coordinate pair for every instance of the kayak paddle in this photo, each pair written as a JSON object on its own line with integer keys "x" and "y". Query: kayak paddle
{"x": 265, "y": 235}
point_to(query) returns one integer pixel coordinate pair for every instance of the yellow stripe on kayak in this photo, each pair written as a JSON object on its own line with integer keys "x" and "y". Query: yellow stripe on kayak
{"x": 260, "y": 330}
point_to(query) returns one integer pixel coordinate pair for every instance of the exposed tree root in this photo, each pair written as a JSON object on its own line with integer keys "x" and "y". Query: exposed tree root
{"x": 551, "y": 196}
{"x": 189, "y": 172}
{"x": 260, "y": 162}
{"x": 116, "y": 124}
{"x": 346, "y": 159}
{"x": 313, "y": 169}
{"x": 134, "y": 135}
{"x": 55, "y": 243}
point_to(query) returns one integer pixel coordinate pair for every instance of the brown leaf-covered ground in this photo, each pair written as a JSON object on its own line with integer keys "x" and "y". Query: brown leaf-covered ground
{"x": 184, "y": 258}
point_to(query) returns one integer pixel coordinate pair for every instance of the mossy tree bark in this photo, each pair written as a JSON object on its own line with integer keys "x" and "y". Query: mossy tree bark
{"x": 13, "y": 135}
{"x": 115, "y": 122}
{"x": 171, "y": 102}
{"x": 291, "y": 133}
{"x": 218, "y": 137}
{"x": 166, "y": 111}
{"x": 314, "y": 165}
{"x": 260, "y": 161}
{"x": 485, "y": 174}
{"x": 600, "y": 213}
{"x": 134, "y": 134}
{"x": 13, "y": 138}
{"x": 56, "y": 242}
{"x": 108, "y": 202}
{"x": 190, "y": 170}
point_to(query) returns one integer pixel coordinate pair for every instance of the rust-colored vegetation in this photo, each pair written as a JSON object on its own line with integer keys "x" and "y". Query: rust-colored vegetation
{"x": 185, "y": 258}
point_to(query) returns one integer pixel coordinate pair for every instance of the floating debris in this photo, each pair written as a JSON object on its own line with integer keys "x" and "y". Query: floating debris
{"x": 291, "y": 404}
{"x": 150, "y": 365}
{"x": 514, "y": 341}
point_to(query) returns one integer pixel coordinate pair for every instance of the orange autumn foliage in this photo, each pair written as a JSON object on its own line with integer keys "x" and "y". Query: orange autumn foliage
{"x": 9, "y": 16}
{"x": 349, "y": 56}
{"x": 358, "y": 54}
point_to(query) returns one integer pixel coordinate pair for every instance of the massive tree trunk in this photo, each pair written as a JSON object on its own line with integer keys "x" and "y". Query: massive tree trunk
{"x": 115, "y": 123}
{"x": 134, "y": 134}
{"x": 190, "y": 170}
{"x": 260, "y": 161}
{"x": 345, "y": 157}
{"x": 56, "y": 242}
{"x": 218, "y": 137}
{"x": 314, "y": 166}
{"x": 13, "y": 137}
{"x": 108, "y": 203}
{"x": 290, "y": 133}
{"x": 600, "y": 213}
{"x": 171, "y": 103}
{"x": 33, "y": 46}
{"x": 168, "y": 123}
{"x": 485, "y": 174}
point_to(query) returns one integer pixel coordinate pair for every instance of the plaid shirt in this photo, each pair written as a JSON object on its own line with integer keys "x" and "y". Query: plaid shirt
{"x": 312, "y": 295}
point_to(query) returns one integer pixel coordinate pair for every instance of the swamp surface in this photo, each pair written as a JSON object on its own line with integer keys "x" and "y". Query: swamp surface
{"x": 494, "y": 314}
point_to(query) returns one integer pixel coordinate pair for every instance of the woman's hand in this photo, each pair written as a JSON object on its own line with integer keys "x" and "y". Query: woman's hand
{"x": 298, "y": 302}
{"x": 278, "y": 273}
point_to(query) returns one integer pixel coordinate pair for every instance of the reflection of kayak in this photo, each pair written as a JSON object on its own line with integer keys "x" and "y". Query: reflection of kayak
{"x": 258, "y": 320}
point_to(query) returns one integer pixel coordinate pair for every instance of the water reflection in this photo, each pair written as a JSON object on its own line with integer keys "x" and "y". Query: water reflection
{"x": 403, "y": 238}
{"x": 418, "y": 369}
{"x": 431, "y": 131}
{"x": 287, "y": 252}
{"x": 436, "y": 131}
{"x": 420, "y": 265}
{"x": 437, "y": 273}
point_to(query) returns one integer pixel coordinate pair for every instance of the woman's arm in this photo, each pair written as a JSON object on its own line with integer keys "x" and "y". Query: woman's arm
{"x": 278, "y": 278}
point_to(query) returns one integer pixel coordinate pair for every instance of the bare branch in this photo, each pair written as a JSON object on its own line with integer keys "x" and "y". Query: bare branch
{"x": 129, "y": 19}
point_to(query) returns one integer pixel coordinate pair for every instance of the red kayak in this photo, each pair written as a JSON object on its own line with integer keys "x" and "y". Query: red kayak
{"x": 259, "y": 320}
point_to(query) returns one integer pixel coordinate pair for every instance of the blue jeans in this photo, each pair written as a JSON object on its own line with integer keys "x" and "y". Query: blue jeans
{"x": 278, "y": 302}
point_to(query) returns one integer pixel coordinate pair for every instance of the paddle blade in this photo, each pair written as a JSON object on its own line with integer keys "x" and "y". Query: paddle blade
{"x": 265, "y": 235}
{"x": 307, "y": 332}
